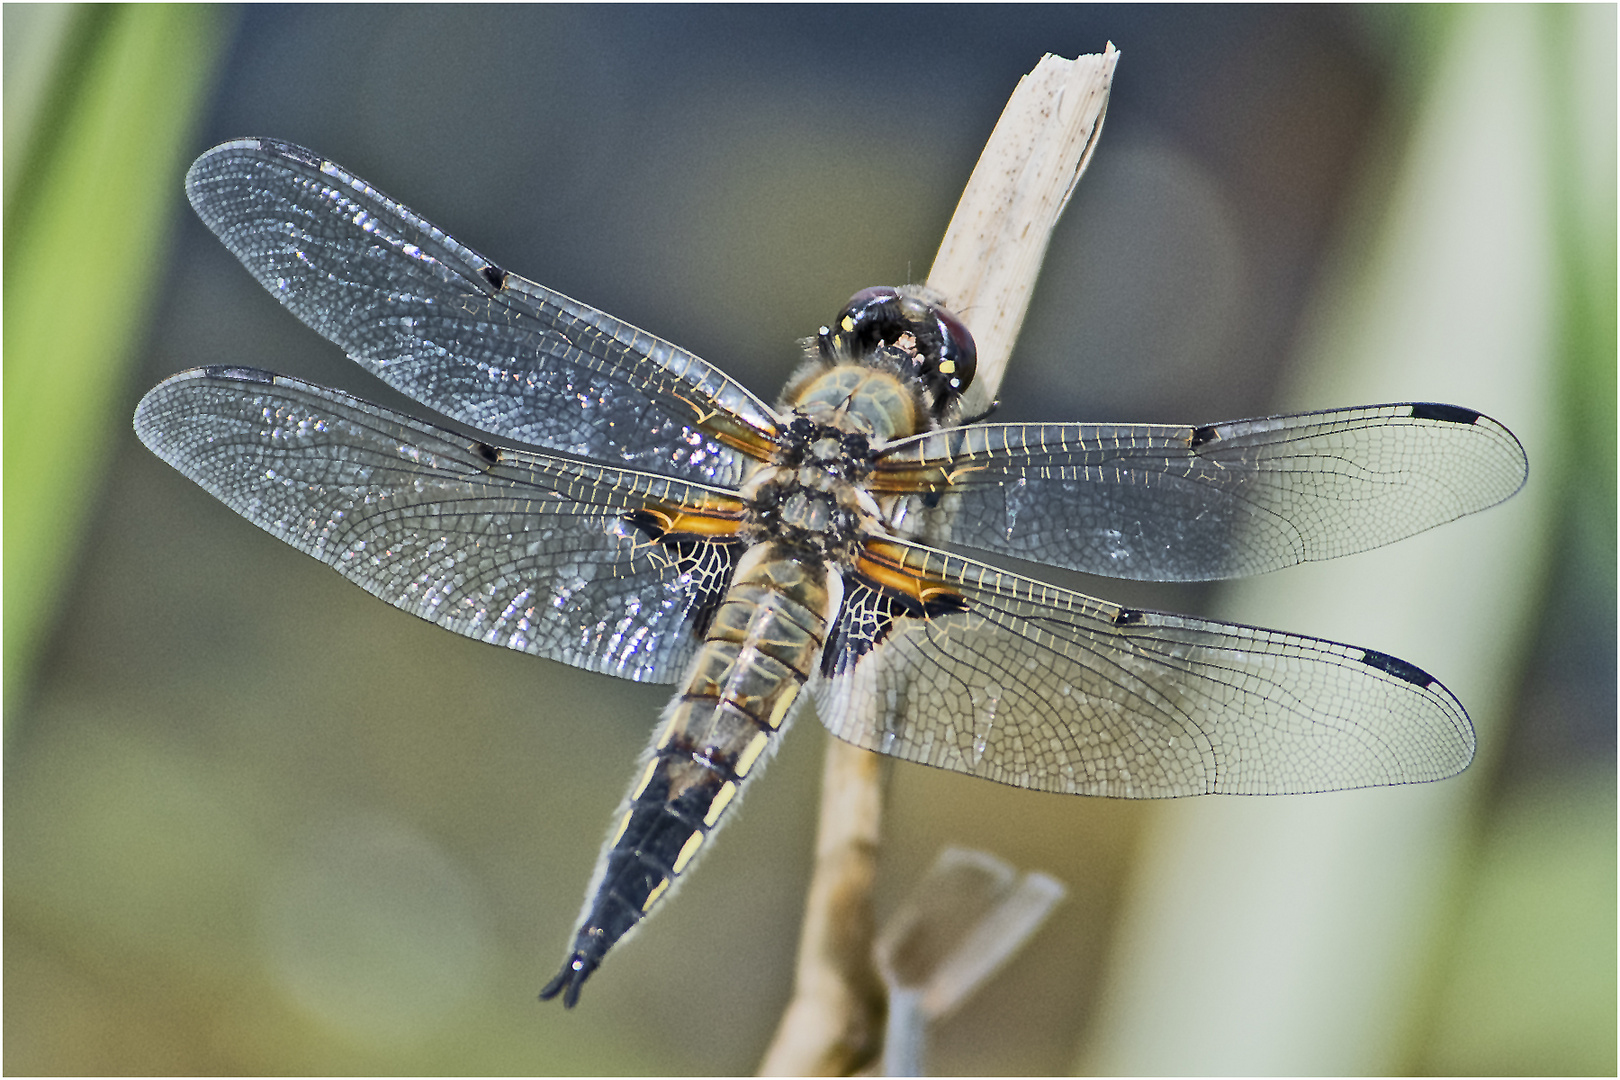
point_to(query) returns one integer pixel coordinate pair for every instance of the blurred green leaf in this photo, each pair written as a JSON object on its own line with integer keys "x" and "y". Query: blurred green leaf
{"x": 1532, "y": 989}
{"x": 96, "y": 144}
{"x": 1529, "y": 982}
{"x": 1291, "y": 936}
{"x": 1580, "y": 45}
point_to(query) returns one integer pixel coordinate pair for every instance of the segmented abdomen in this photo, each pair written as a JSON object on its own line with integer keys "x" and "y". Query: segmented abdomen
{"x": 763, "y": 643}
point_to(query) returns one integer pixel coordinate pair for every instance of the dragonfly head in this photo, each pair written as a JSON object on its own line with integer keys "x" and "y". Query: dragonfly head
{"x": 908, "y": 325}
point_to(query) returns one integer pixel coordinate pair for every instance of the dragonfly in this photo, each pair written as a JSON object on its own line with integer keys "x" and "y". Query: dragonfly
{"x": 632, "y": 510}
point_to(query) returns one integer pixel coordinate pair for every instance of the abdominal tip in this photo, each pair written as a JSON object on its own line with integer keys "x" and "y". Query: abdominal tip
{"x": 575, "y": 971}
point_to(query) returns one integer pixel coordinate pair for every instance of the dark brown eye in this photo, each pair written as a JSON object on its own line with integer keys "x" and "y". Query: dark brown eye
{"x": 872, "y": 296}
{"x": 871, "y": 318}
{"x": 958, "y": 356}
{"x": 943, "y": 357}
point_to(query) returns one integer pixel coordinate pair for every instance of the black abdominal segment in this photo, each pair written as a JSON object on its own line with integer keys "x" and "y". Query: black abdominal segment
{"x": 661, "y": 831}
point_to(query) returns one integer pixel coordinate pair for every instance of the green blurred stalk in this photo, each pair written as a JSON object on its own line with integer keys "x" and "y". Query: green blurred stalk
{"x": 1528, "y": 983}
{"x": 1580, "y": 48}
{"x": 100, "y": 105}
{"x": 1296, "y": 936}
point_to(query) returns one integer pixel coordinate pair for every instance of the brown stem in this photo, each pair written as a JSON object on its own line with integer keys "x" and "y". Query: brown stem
{"x": 985, "y": 269}
{"x": 834, "y": 1025}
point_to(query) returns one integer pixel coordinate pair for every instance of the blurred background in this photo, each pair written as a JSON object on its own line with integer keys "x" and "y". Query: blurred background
{"x": 258, "y": 822}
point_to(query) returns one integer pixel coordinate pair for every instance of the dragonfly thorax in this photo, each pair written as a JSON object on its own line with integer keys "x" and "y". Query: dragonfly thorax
{"x": 812, "y": 493}
{"x": 874, "y": 400}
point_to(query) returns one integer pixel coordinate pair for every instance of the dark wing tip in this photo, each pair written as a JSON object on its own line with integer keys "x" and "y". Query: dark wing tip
{"x": 227, "y": 371}
{"x": 290, "y": 150}
{"x": 1394, "y": 665}
{"x": 231, "y": 372}
{"x": 575, "y": 970}
{"x": 1514, "y": 462}
{"x": 259, "y": 147}
{"x": 1458, "y": 752}
{"x": 1450, "y": 414}
{"x": 216, "y": 158}
{"x": 150, "y": 416}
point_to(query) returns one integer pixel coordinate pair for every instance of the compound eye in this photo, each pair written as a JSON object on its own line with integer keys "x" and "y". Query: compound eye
{"x": 870, "y": 318}
{"x": 958, "y": 356}
{"x": 868, "y": 297}
{"x": 917, "y": 311}
{"x": 868, "y": 313}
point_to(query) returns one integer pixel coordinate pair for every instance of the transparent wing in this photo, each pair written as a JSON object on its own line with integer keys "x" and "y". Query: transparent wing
{"x": 1006, "y": 678}
{"x": 517, "y": 549}
{"x": 440, "y": 323}
{"x": 1162, "y": 503}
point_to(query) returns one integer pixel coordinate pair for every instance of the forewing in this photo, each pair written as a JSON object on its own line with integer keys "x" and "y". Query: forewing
{"x": 528, "y": 551}
{"x": 1163, "y": 503}
{"x": 1006, "y": 678}
{"x": 440, "y": 323}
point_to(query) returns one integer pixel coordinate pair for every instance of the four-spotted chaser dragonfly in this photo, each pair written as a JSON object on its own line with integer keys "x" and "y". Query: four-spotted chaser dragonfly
{"x": 675, "y": 528}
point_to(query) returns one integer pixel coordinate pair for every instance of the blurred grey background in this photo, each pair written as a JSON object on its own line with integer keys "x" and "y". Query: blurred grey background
{"x": 258, "y": 822}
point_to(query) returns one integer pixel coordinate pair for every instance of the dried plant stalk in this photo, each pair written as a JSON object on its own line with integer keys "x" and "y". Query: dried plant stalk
{"x": 834, "y": 1024}
{"x": 992, "y": 251}
{"x": 985, "y": 270}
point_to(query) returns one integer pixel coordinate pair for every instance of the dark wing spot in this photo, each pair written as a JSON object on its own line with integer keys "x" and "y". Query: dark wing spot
{"x": 710, "y": 564}
{"x": 944, "y": 603}
{"x": 868, "y": 616}
{"x": 647, "y": 523}
{"x": 1127, "y": 617}
{"x": 241, "y": 374}
{"x": 1202, "y": 435}
{"x": 295, "y": 153}
{"x": 490, "y": 454}
{"x": 1451, "y": 414}
{"x": 494, "y": 275}
{"x": 1393, "y": 665}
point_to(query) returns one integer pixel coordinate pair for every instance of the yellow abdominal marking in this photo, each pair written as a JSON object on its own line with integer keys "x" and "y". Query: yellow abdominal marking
{"x": 722, "y": 799}
{"x": 646, "y": 778}
{"x": 848, "y": 324}
{"x": 947, "y": 367}
{"x": 618, "y": 834}
{"x": 654, "y": 896}
{"x": 688, "y": 850}
{"x": 780, "y": 709}
{"x": 751, "y": 752}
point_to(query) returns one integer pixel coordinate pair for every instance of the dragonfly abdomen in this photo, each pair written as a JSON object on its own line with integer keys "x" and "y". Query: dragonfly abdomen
{"x": 761, "y": 646}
